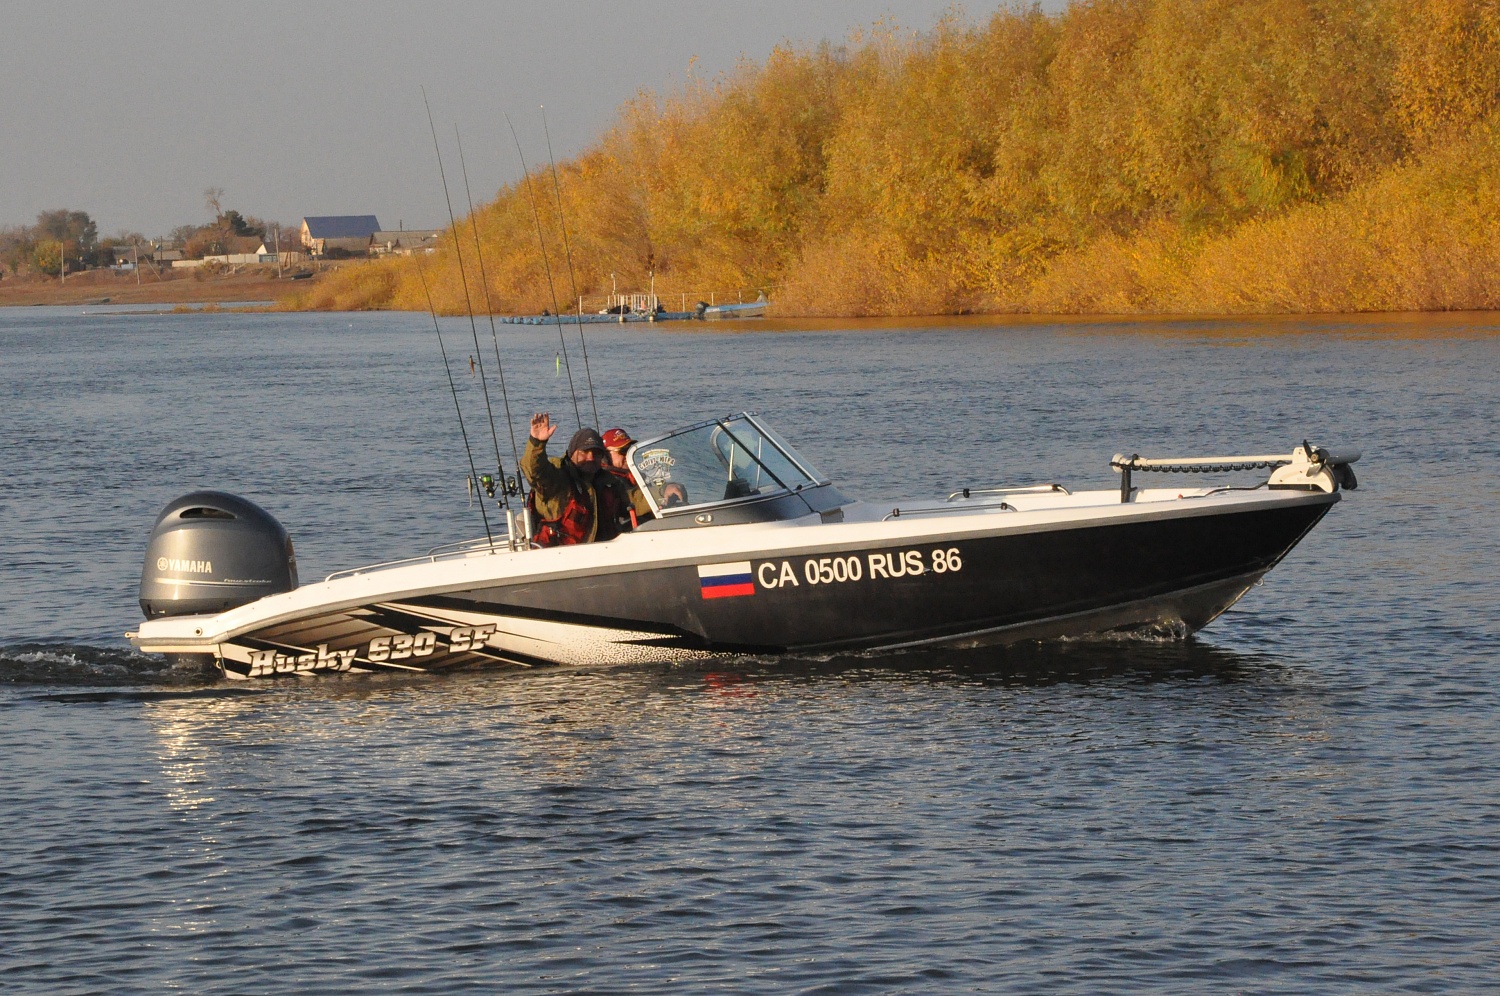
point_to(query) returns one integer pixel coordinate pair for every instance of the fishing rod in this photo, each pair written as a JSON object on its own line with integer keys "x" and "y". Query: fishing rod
{"x": 474, "y": 473}
{"x": 546, "y": 267}
{"x": 469, "y": 303}
{"x": 568, "y": 252}
{"x": 489, "y": 307}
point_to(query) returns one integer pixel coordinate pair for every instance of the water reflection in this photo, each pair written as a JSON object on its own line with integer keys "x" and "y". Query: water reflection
{"x": 1034, "y": 665}
{"x": 570, "y": 724}
{"x": 1384, "y": 326}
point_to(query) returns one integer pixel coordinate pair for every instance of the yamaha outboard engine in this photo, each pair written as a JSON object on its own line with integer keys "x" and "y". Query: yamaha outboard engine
{"x": 212, "y": 551}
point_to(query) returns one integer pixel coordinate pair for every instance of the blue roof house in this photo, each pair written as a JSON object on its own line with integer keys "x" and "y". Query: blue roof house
{"x": 341, "y": 231}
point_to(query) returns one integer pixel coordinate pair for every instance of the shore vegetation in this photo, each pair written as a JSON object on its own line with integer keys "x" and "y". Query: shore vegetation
{"x": 1185, "y": 156}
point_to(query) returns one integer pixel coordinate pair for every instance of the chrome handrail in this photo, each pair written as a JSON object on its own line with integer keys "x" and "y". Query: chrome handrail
{"x": 896, "y": 513}
{"x": 448, "y": 551}
{"x": 503, "y": 539}
{"x": 1030, "y": 489}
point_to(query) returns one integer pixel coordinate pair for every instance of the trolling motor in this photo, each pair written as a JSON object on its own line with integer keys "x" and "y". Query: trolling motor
{"x": 1306, "y": 468}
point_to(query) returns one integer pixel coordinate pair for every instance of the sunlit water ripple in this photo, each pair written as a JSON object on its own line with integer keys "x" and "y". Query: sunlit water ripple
{"x": 1303, "y": 798}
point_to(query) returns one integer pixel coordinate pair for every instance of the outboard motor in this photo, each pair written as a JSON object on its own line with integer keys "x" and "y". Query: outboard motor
{"x": 212, "y": 551}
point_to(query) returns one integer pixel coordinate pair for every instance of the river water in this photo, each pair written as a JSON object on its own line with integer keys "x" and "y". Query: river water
{"x": 1305, "y": 797}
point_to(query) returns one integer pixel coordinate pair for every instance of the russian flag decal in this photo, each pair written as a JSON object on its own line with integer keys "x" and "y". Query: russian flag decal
{"x": 726, "y": 580}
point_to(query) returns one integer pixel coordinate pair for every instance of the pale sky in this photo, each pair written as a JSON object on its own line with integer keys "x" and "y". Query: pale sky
{"x": 129, "y": 110}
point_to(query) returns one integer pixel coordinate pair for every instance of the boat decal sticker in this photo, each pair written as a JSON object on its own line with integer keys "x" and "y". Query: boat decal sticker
{"x": 656, "y": 465}
{"x": 268, "y": 662}
{"x": 726, "y": 580}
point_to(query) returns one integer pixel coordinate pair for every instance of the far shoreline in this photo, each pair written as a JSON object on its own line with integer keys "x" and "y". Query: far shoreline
{"x": 100, "y": 288}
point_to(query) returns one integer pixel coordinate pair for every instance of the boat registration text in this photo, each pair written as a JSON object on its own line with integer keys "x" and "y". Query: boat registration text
{"x": 858, "y": 567}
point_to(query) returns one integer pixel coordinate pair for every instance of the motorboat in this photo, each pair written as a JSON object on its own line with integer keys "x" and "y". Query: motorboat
{"x": 750, "y": 550}
{"x": 744, "y": 309}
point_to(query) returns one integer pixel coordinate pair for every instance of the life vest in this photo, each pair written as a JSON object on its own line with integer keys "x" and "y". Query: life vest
{"x": 567, "y": 529}
{"x": 572, "y": 526}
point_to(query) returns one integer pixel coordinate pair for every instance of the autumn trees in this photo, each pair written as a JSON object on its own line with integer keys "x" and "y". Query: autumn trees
{"x": 59, "y": 237}
{"x": 1121, "y": 155}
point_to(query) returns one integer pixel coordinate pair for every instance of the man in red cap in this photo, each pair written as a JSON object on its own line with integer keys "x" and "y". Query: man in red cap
{"x": 573, "y": 498}
{"x": 616, "y": 442}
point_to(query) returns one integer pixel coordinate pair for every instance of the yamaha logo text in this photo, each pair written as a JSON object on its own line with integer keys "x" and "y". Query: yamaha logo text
{"x": 185, "y": 566}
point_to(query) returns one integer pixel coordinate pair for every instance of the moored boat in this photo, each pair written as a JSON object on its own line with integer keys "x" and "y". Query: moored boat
{"x": 744, "y": 309}
{"x": 750, "y": 550}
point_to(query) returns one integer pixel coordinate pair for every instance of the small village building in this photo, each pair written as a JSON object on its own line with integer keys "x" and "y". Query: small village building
{"x": 146, "y": 252}
{"x": 268, "y": 254}
{"x": 239, "y": 250}
{"x": 404, "y": 241}
{"x": 350, "y": 232}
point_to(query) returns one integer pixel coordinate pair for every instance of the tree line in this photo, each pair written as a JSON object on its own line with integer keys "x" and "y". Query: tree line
{"x": 59, "y": 237}
{"x": 70, "y": 237}
{"x": 1122, "y": 155}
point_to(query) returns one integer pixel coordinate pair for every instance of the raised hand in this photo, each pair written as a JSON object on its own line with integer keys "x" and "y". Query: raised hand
{"x": 542, "y": 427}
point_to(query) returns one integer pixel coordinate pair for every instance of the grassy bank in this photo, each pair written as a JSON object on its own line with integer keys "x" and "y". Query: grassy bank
{"x": 1191, "y": 156}
{"x": 180, "y": 288}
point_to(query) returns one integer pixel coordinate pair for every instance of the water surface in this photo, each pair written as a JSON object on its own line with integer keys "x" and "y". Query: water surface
{"x": 1302, "y": 798}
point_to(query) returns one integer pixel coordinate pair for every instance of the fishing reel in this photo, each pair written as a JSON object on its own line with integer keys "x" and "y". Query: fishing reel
{"x": 506, "y": 484}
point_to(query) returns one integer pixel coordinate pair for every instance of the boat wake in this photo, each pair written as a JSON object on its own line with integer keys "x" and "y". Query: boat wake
{"x": 1164, "y": 632}
{"x": 82, "y": 664}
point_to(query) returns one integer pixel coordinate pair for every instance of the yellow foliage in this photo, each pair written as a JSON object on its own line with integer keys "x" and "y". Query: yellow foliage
{"x": 1425, "y": 236}
{"x": 1123, "y": 155}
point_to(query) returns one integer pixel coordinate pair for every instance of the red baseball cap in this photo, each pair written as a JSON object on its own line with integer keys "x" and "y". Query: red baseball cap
{"x": 617, "y": 439}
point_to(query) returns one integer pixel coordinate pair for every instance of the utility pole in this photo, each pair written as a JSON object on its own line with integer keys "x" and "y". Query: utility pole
{"x": 277, "y": 230}
{"x": 136, "y": 250}
{"x": 62, "y": 259}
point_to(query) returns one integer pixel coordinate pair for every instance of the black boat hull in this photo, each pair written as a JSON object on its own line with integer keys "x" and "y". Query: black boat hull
{"x": 1173, "y": 573}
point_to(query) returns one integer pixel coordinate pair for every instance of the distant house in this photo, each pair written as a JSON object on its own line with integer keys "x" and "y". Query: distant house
{"x": 126, "y": 256}
{"x": 404, "y": 242}
{"x": 268, "y": 254}
{"x": 351, "y": 232}
{"x": 238, "y": 250}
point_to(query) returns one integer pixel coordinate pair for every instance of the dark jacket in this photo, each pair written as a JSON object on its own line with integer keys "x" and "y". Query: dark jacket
{"x": 557, "y": 483}
{"x": 633, "y": 491}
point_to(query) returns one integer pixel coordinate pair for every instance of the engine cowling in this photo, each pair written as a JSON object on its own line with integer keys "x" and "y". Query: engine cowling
{"x": 212, "y": 551}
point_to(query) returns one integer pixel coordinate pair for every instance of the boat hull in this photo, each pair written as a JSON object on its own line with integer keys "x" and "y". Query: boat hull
{"x": 1167, "y": 573}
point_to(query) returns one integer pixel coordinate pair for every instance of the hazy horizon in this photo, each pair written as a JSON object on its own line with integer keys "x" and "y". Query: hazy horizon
{"x": 130, "y": 112}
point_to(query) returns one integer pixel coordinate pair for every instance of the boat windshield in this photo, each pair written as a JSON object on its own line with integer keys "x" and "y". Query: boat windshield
{"x": 723, "y": 460}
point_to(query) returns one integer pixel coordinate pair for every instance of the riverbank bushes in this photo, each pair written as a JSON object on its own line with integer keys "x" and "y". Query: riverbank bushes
{"x": 1121, "y": 156}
